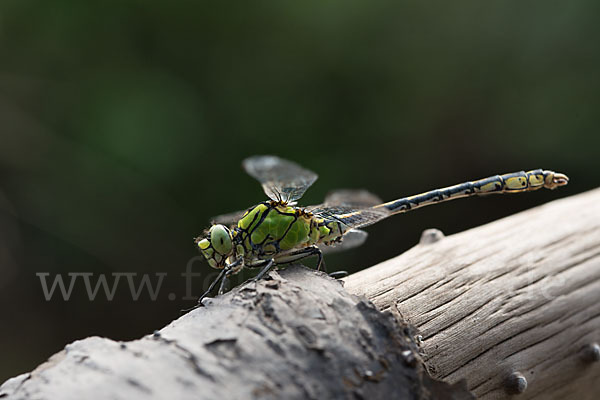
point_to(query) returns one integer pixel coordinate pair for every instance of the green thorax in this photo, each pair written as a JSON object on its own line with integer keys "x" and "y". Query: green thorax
{"x": 273, "y": 227}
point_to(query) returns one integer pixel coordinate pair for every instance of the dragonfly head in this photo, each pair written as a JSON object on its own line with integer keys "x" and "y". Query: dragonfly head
{"x": 217, "y": 247}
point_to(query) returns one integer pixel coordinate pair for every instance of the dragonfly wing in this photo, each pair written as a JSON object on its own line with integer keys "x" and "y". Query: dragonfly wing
{"x": 352, "y": 217}
{"x": 352, "y": 238}
{"x": 365, "y": 217}
{"x": 357, "y": 198}
{"x": 355, "y": 208}
{"x": 346, "y": 199}
{"x": 229, "y": 218}
{"x": 281, "y": 180}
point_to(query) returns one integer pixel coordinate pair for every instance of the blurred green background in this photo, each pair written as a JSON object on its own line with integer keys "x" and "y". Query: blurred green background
{"x": 123, "y": 125}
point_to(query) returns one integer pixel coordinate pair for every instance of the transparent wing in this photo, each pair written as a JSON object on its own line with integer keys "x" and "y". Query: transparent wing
{"x": 281, "y": 180}
{"x": 359, "y": 198}
{"x": 229, "y": 218}
{"x": 352, "y": 217}
{"x": 354, "y": 207}
{"x": 352, "y": 238}
{"x": 346, "y": 199}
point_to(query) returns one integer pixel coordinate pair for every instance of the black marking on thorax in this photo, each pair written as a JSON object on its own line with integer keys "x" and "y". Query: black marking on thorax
{"x": 257, "y": 248}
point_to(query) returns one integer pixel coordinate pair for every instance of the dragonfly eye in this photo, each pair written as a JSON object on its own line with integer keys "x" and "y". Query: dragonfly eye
{"x": 220, "y": 238}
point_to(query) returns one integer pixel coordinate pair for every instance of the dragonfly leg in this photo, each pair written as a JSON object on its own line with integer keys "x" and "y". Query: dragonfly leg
{"x": 320, "y": 261}
{"x": 303, "y": 253}
{"x": 266, "y": 268}
{"x": 210, "y": 288}
{"x": 225, "y": 272}
{"x": 224, "y": 281}
{"x": 307, "y": 252}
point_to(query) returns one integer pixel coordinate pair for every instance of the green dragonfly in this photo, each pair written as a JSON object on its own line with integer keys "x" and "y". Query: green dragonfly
{"x": 277, "y": 231}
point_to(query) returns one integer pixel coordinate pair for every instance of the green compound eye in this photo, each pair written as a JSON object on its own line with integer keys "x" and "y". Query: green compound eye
{"x": 220, "y": 238}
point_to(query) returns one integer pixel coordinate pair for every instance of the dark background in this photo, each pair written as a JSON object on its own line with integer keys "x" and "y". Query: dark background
{"x": 123, "y": 125}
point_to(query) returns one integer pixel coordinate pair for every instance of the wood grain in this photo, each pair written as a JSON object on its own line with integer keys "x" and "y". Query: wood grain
{"x": 519, "y": 295}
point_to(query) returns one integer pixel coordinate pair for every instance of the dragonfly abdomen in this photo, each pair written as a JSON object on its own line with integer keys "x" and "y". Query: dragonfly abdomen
{"x": 330, "y": 230}
{"x": 508, "y": 183}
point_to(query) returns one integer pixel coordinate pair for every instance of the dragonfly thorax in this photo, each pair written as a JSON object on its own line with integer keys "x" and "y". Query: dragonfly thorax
{"x": 272, "y": 227}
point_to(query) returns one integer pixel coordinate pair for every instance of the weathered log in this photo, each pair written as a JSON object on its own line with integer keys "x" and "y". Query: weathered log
{"x": 297, "y": 335}
{"x": 512, "y": 306}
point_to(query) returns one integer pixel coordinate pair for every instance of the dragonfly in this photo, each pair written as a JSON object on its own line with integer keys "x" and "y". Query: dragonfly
{"x": 278, "y": 231}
